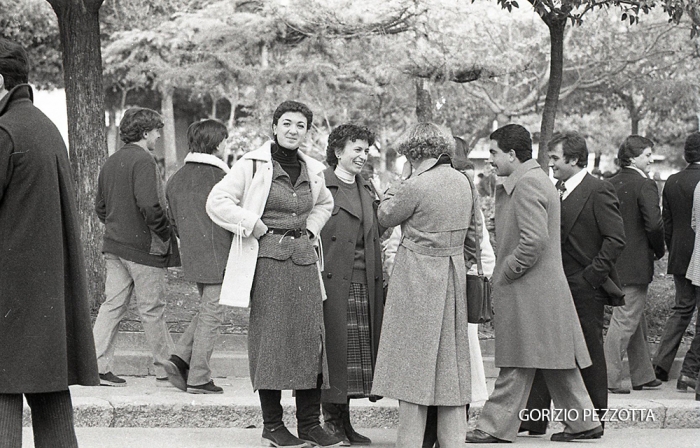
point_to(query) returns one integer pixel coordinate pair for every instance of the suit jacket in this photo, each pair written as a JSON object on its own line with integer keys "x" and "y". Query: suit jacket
{"x": 591, "y": 225}
{"x": 535, "y": 320}
{"x": 677, "y": 208}
{"x": 644, "y": 229}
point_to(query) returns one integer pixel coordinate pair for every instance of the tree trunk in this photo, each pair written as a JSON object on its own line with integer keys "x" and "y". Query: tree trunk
{"x": 556, "y": 27}
{"x": 424, "y": 103}
{"x": 169, "y": 147}
{"x": 79, "y": 29}
{"x": 635, "y": 124}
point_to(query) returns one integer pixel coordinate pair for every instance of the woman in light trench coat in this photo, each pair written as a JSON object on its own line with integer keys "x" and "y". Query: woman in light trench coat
{"x": 423, "y": 354}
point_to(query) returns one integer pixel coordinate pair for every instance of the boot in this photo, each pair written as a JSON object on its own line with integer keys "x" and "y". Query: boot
{"x": 353, "y": 436}
{"x": 333, "y": 421}
{"x": 309, "y": 419}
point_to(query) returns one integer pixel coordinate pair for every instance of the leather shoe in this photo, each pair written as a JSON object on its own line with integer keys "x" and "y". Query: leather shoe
{"x": 697, "y": 397}
{"x": 650, "y": 385}
{"x": 618, "y": 390}
{"x": 595, "y": 433}
{"x": 479, "y": 436}
{"x": 685, "y": 382}
{"x": 660, "y": 373}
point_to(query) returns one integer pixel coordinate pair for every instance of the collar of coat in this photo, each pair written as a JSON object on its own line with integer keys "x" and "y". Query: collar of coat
{"x": 264, "y": 155}
{"x": 20, "y": 91}
{"x": 207, "y": 159}
{"x": 427, "y": 164}
{"x": 512, "y": 180}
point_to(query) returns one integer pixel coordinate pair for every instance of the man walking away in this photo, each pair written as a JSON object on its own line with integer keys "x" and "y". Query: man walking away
{"x": 204, "y": 247}
{"x": 138, "y": 243}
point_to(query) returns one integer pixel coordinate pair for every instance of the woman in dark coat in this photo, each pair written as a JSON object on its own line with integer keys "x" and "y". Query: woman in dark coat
{"x": 353, "y": 279}
{"x": 644, "y": 233}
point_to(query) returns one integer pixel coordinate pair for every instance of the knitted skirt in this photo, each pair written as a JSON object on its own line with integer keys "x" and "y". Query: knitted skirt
{"x": 286, "y": 336}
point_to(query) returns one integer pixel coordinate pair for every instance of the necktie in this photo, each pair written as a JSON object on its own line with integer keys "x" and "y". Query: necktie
{"x": 562, "y": 190}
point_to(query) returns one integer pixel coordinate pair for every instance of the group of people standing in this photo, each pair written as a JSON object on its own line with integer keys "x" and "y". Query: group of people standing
{"x": 298, "y": 242}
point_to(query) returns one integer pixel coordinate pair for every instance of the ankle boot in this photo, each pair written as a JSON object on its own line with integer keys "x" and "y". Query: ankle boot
{"x": 353, "y": 436}
{"x": 333, "y": 421}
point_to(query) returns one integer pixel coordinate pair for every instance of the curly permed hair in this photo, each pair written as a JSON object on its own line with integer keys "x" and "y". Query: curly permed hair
{"x": 341, "y": 136}
{"x": 426, "y": 140}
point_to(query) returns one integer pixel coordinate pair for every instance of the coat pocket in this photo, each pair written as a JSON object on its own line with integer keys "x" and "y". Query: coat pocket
{"x": 158, "y": 246}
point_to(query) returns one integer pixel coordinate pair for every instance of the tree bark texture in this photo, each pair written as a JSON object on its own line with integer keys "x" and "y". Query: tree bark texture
{"x": 169, "y": 146}
{"x": 79, "y": 28}
{"x": 424, "y": 102}
{"x": 556, "y": 27}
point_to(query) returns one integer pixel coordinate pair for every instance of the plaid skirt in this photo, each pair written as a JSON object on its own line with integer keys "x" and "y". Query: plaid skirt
{"x": 359, "y": 343}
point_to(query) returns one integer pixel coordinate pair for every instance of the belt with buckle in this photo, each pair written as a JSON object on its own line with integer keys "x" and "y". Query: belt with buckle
{"x": 294, "y": 233}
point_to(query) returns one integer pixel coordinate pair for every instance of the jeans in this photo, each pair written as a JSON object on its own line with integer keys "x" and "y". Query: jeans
{"x": 126, "y": 279}
{"x": 196, "y": 344}
{"x": 687, "y": 299}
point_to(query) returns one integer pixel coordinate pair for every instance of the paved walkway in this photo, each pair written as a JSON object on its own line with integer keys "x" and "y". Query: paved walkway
{"x": 143, "y": 404}
{"x": 382, "y": 438}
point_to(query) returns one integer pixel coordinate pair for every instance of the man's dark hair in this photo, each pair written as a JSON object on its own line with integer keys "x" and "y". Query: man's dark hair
{"x": 515, "y": 137}
{"x": 14, "y": 64}
{"x": 632, "y": 147}
{"x": 691, "y": 151}
{"x": 573, "y": 145}
{"x": 205, "y": 136}
{"x": 136, "y": 121}
{"x": 293, "y": 106}
{"x": 341, "y": 136}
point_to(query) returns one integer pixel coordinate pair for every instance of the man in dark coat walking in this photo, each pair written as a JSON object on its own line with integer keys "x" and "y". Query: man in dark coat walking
{"x": 677, "y": 200}
{"x": 205, "y": 248}
{"x": 45, "y": 336}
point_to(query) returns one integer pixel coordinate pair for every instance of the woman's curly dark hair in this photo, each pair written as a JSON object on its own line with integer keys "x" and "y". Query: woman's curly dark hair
{"x": 341, "y": 136}
{"x": 425, "y": 141}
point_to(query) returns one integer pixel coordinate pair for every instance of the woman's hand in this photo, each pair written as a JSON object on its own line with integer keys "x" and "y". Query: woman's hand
{"x": 259, "y": 230}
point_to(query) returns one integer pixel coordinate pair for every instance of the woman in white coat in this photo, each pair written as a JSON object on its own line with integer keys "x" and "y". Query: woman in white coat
{"x": 275, "y": 202}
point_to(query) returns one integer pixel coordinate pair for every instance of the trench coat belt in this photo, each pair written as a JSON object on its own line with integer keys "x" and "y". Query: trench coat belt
{"x": 432, "y": 251}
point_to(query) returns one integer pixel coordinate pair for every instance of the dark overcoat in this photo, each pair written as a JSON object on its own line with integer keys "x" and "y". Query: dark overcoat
{"x": 46, "y": 341}
{"x": 339, "y": 237}
{"x": 677, "y": 209}
{"x": 644, "y": 228}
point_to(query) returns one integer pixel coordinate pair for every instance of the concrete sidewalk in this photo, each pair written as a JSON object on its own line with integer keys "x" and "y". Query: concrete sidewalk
{"x": 145, "y": 405}
{"x": 381, "y": 438}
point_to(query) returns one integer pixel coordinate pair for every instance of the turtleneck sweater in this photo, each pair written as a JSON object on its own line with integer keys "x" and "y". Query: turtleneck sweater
{"x": 288, "y": 160}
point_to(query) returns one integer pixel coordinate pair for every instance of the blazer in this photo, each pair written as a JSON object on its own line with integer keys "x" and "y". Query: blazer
{"x": 677, "y": 208}
{"x": 592, "y": 226}
{"x": 644, "y": 228}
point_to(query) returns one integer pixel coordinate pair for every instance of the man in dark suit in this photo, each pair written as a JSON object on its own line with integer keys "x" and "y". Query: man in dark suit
{"x": 592, "y": 238}
{"x": 677, "y": 208}
{"x": 644, "y": 232}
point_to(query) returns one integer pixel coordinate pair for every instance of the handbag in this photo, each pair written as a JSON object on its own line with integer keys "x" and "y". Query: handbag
{"x": 479, "y": 307}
